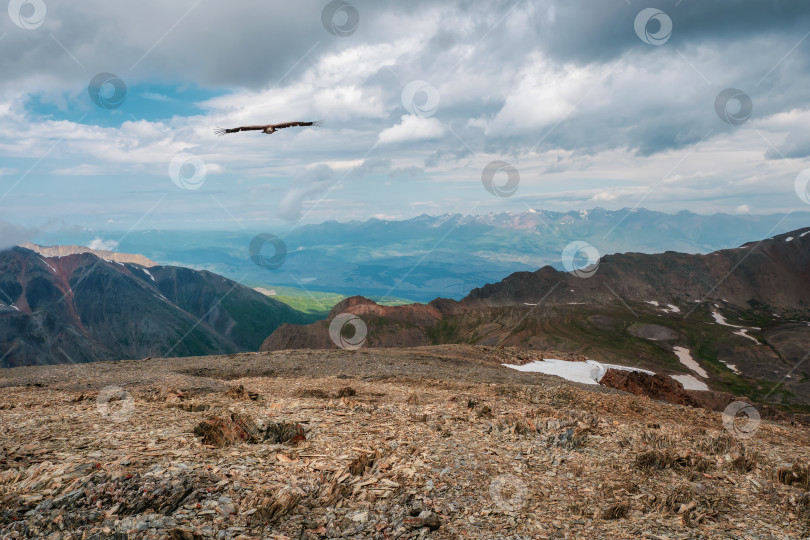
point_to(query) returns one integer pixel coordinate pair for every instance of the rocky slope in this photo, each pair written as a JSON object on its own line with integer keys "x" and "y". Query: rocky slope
{"x": 428, "y": 443}
{"x": 738, "y": 314}
{"x": 80, "y": 308}
{"x": 63, "y": 251}
{"x": 770, "y": 276}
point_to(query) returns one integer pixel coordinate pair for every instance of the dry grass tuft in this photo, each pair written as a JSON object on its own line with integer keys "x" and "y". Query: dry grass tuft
{"x": 744, "y": 463}
{"x": 654, "y": 460}
{"x": 694, "y": 504}
{"x": 664, "y": 459}
{"x": 316, "y": 393}
{"x": 616, "y": 511}
{"x": 654, "y": 439}
{"x": 797, "y": 475}
{"x": 720, "y": 444}
{"x": 484, "y": 412}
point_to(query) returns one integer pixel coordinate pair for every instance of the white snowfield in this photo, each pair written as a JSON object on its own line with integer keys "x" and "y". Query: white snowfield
{"x": 670, "y": 308}
{"x": 686, "y": 359}
{"x": 588, "y": 372}
{"x": 689, "y": 382}
{"x": 591, "y": 371}
{"x": 743, "y": 331}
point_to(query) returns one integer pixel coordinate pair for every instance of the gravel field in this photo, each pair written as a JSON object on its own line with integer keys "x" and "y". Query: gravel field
{"x": 434, "y": 442}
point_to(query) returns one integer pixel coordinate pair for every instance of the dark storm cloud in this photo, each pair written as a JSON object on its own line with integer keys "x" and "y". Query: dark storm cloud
{"x": 588, "y": 31}
{"x": 234, "y": 44}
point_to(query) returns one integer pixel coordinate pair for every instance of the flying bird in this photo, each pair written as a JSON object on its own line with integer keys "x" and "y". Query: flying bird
{"x": 268, "y": 129}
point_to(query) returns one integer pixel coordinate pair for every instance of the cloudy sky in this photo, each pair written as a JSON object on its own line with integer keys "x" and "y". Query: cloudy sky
{"x": 107, "y": 109}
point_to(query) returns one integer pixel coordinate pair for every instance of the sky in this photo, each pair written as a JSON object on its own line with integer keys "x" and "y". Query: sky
{"x": 108, "y": 110}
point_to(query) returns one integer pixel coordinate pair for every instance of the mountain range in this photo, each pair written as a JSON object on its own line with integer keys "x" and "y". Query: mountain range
{"x": 733, "y": 320}
{"x": 438, "y": 256}
{"x": 81, "y": 308}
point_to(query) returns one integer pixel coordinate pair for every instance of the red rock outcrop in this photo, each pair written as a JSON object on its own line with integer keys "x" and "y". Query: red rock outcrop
{"x": 658, "y": 386}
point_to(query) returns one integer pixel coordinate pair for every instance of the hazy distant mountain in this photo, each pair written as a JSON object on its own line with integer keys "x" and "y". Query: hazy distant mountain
{"x": 427, "y": 257}
{"x": 80, "y": 308}
{"x": 742, "y": 314}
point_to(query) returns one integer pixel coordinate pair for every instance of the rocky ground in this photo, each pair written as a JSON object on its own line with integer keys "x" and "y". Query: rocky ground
{"x": 435, "y": 442}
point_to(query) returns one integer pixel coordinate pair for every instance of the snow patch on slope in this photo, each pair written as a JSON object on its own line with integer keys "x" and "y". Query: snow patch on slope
{"x": 689, "y": 382}
{"x": 686, "y": 359}
{"x": 588, "y": 372}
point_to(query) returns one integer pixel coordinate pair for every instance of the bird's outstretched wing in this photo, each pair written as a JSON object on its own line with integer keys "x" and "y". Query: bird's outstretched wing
{"x": 296, "y": 124}
{"x": 223, "y": 131}
{"x": 266, "y": 128}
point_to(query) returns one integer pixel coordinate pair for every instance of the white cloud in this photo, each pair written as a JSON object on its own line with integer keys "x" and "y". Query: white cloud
{"x": 604, "y": 196}
{"x": 312, "y": 182}
{"x": 412, "y": 128}
{"x": 12, "y": 235}
{"x": 102, "y": 245}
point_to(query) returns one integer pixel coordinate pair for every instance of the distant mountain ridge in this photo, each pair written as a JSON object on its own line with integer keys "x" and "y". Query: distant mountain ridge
{"x": 80, "y": 308}
{"x": 742, "y": 313}
{"x": 443, "y": 256}
{"x": 773, "y": 273}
